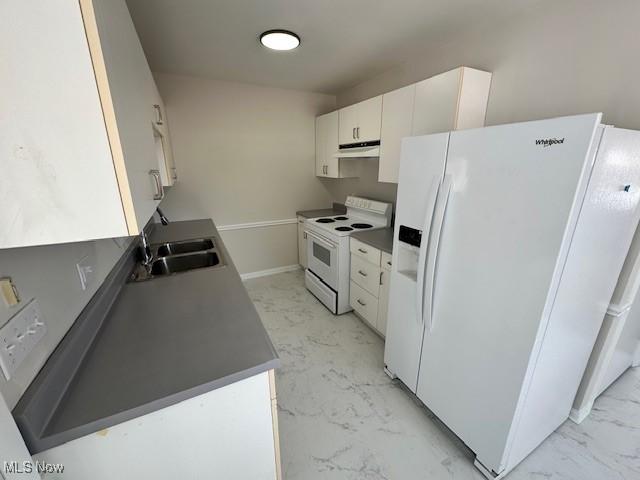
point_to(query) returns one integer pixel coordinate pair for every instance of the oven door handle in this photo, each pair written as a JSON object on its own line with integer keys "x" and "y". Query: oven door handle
{"x": 321, "y": 240}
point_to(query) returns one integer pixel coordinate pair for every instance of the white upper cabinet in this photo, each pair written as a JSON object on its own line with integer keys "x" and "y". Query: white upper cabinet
{"x": 327, "y": 165}
{"x": 77, "y": 146}
{"x": 124, "y": 75}
{"x": 360, "y": 123}
{"x": 397, "y": 121}
{"x": 453, "y": 100}
{"x": 164, "y": 150}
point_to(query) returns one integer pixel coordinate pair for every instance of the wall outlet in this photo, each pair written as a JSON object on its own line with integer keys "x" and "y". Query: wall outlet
{"x": 86, "y": 271}
{"x": 20, "y": 336}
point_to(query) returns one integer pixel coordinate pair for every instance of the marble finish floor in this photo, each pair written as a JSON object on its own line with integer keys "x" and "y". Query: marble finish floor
{"x": 342, "y": 418}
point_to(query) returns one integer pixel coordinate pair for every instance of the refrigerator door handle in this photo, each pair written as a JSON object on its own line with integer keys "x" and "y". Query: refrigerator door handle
{"x": 424, "y": 246}
{"x": 434, "y": 241}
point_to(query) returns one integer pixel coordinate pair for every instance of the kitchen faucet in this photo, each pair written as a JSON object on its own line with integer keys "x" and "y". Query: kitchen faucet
{"x": 147, "y": 258}
{"x": 163, "y": 219}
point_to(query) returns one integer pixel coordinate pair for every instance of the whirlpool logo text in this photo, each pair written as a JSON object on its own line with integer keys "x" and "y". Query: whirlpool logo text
{"x": 547, "y": 142}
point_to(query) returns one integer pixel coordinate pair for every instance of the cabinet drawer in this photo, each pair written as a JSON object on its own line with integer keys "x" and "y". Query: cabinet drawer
{"x": 364, "y": 303}
{"x": 365, "y": 274}
{"x": 385, "y": 260}
{"x": 370, "y": 254}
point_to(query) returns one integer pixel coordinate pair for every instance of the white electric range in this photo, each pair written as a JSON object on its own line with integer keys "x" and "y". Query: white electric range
{"x": 328, "y": 256}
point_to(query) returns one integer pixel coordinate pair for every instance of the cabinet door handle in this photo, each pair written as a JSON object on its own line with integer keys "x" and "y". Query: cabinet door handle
{"x": 381, "y": 277}
{"x": 358, "y": 132}
{"x": 159, "y": 121}
{"x": 362, "y": 273}
{"x": 362, "y": 250}
{"x": 304, "y": 234}
{"x": 361, "y": 302}
{"x": 159, "y": 193}
{"x": 175, "y": 173}
{"x": 353, "y": 133}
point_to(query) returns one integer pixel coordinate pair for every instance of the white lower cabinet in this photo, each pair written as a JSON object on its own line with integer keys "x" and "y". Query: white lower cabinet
{"x": 369, "y": 286}
{"x": 302, "y": 242}
{"x": 229, "y": 433}
{"x": 383, "y": 299}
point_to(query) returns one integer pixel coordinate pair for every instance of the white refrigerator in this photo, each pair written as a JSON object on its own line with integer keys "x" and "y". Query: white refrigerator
{"x": 508, "y": 244}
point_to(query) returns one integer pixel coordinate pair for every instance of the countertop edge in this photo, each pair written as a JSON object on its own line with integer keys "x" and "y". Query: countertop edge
{"x": 57, "y": 439}
{"x": 36, "y": 407}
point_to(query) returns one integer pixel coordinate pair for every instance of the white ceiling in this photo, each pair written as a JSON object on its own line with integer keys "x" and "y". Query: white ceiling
{"x": 344, "y": 42}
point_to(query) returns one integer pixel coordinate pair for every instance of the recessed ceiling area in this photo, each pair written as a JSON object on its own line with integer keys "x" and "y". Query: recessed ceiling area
{"x": 344, "y": 42}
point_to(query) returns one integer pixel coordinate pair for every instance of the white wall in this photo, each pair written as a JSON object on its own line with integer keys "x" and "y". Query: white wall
{"x": 578, "y": 56}
{"x": 244, "y": 154}
{"x": 49, "y": 274}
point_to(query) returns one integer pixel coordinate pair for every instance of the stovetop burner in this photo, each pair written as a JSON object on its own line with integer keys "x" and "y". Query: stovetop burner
{"x": 361, "y": 225}
{"x": 325, "y": 220}
{"x": 344, "y": 229}
{"x": 341, "y": 218}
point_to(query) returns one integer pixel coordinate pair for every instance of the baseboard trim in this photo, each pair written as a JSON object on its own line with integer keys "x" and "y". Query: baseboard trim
{"x": 269, "y": 271}
{"x": 577, "y": 415}
{"x": 266, "y": 223}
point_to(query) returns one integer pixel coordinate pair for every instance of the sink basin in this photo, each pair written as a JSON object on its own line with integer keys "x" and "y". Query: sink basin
{"x": 177, "y": 257}
{"x": 186, "y": 246}
{"x": 183, "y": 263}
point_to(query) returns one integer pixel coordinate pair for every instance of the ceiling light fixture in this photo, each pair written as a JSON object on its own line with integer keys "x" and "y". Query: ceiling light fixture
{"x": 280, "y": 39}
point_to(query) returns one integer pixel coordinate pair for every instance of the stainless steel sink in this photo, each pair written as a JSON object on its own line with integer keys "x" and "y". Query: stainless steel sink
{"x": 186, "y": 246}
{"x": 178, "y": 257}
{"x": 183, "y": 263}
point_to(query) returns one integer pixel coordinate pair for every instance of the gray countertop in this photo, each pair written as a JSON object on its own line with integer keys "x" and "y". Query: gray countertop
{"x": 337, "y": 209}
{"x": 382, "y": 239}
{"x": 163, "y": 341}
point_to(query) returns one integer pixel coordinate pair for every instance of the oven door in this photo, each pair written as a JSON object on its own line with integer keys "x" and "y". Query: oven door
{"x": 322, "y": 258}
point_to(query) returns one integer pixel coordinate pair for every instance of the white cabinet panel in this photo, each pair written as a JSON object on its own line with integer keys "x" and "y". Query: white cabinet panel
{"x": 385, "y": 261}
{"x": 369, "y": 119}
{"x": 365, "y": 304}
{"x": 130, "y": 86}
{"x": 302, "y": 243}
{"x": 164, "y": 150}
{"x": 365, "y": 274}
{"x": 397, "y": 120}
{"x": 348, "y": 124}
{"x": 327, "y": 145}
{"x": 436, "y": 103}
{"x": 453, "y": 100}
{"x": 383, "y": 301}
{"x": 58, "y": 182}
{"x": 78, "y": 141}
{"x": 370, "y": 254}
{"x": 361, "y": 122}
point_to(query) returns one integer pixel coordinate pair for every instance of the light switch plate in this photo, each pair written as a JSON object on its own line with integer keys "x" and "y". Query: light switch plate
{"x": 9, "y": 292}
{"x": 20, "y": 336}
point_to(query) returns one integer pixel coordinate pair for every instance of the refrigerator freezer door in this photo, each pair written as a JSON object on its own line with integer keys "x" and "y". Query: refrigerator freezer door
{"x": 608, "y": 218}
{"x": 421, "y": 170}
{"x": 514, "y": 189}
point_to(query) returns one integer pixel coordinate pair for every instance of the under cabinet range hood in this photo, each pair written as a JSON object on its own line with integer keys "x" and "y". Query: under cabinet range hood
{"x": 359, "y": 150}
